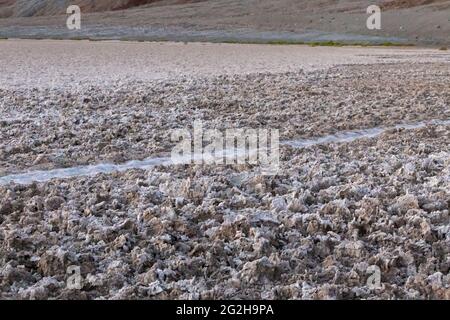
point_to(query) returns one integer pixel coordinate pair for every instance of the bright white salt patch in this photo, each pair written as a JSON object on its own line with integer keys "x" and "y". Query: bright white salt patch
{"x": 90, "y": 170}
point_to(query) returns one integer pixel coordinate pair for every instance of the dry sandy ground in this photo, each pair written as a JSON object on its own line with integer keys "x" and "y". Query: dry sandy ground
{"x": 251, "y": 20}
{"x": 333, "y": 213}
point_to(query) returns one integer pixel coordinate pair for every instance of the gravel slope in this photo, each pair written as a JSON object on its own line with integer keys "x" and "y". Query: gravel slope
{"x": 251, "y": 20}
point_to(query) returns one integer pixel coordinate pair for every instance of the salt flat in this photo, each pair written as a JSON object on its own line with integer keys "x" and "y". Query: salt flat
{"x": 363, "y": 185}
{"x": 46, "y": 63}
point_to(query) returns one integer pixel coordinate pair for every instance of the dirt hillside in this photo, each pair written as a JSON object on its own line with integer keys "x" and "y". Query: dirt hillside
{"x": 403, "y": 21}
{"x": 28, "y": 8}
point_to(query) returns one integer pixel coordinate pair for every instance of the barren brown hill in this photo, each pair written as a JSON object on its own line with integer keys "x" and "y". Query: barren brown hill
{"x": 403, "y": 21}
{"x": 402, "y": 4}
{"x": 28, "y": 8}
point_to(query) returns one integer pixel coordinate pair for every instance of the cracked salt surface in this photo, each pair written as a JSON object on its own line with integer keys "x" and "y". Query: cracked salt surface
{"x": 342, "y": 137}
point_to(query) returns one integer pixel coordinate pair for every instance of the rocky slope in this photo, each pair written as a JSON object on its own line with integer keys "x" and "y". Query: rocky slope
{"x": 28, "y": 8}
{"x": 425, "y": 22}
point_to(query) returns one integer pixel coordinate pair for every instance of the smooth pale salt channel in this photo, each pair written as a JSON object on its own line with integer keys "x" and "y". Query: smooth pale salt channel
{"x": 46, "y": 175}
{"x": 349, "y": 136}
{"x": 90, "y": 170}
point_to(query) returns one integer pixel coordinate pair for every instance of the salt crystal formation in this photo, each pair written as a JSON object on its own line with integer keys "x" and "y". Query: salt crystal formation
{"x": 315, "y": 231}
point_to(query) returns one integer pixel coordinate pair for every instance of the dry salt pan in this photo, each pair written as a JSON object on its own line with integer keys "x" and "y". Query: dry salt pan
{"x": 351, "y": 216}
